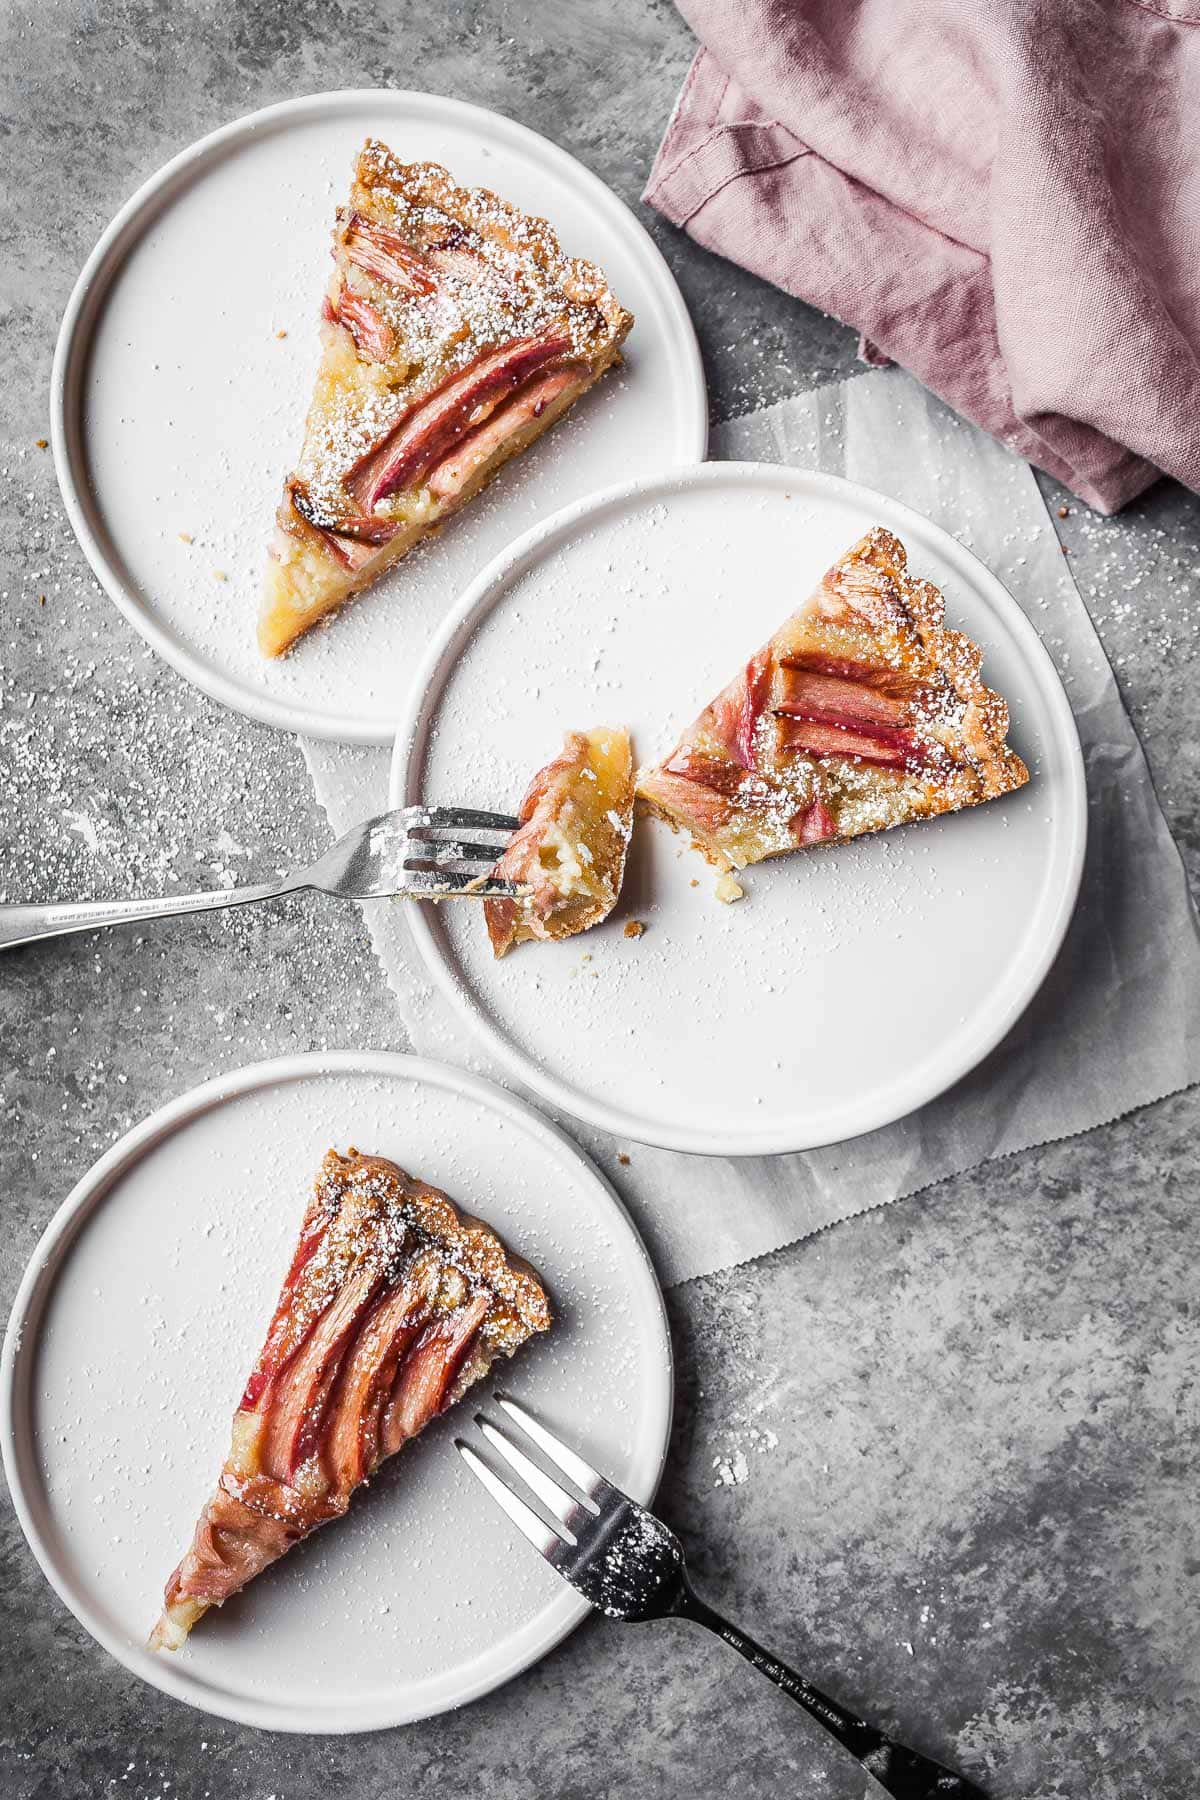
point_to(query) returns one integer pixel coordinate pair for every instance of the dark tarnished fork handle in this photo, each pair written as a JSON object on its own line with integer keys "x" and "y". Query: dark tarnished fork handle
{"x": 899, "y": 1771}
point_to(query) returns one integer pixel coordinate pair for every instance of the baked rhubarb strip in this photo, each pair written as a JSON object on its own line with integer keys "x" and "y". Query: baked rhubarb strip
{"x": 425, "y": 434}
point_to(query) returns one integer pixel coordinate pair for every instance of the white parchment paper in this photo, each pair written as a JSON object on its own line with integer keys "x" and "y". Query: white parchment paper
{"x": 1117, "y": 1023}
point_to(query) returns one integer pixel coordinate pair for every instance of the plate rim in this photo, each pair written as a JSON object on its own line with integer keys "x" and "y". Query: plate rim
{"x": 456, "y": 629}
{"x": 94, "y": 280}
{"x": 18, "y": 1449}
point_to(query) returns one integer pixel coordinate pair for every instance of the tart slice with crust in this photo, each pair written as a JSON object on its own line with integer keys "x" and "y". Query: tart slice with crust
{"x": 455, "y": 331}
{"x": 569, "y": 853}
{"x": 863, "y": 711}
{"x": 394, "y": 1305}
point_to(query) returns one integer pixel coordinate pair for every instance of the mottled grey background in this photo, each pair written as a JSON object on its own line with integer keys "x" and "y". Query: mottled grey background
{"x": 978, "y": 1518}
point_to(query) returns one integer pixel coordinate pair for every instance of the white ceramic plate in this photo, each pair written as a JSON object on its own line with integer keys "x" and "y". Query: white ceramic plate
{"x": 852, "y": 984}
{"x": 143, "y": 1309}
{"x": 176, "y": 406}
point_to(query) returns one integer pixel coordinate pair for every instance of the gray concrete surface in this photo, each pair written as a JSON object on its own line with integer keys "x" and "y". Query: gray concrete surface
{"x": 978, "y": 1518}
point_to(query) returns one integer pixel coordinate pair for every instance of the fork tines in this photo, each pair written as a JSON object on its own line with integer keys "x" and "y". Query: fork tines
{"x": 436, "y": 848}
{"x": 458, "y": 818}
{"x": 573, "y": 1513}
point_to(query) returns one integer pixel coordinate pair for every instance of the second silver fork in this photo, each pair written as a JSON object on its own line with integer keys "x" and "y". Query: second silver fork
{"x": 630, "y": 1566}
{"x": 415, "y": 853}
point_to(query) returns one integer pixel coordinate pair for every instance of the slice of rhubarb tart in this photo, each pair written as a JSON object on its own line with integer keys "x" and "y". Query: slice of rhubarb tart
{"x": 454, "y": 332}
{"x": 394, "y": 1305}
{"x": 569, "y": 853}
{"x": 863, "y": 711}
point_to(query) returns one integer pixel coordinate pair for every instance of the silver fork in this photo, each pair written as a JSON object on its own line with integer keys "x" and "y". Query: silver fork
{"x": 630, "y": 1565}
{"x": 417, "y": 853}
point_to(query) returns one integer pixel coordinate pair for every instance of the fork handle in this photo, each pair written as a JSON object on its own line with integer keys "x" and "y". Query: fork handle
{"x": 29, "y": 924}
{"x": 899, "y": 1771}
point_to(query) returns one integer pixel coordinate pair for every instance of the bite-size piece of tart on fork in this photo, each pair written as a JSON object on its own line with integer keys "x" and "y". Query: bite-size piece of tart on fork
{"x": 394, "y": 1305}
{"x": 569, "y": 853}
{"x": 863, "y": 711}
{"x": 455, "y": 331}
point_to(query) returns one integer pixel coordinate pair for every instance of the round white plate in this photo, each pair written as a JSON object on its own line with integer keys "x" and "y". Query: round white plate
{"x": 144, "y": 1307}
{"x": 852, "y": 984}
{"x": 178, "y": 408}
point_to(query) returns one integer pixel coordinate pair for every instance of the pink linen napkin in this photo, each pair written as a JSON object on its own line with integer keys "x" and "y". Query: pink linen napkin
{"x": 1004, "y": 198}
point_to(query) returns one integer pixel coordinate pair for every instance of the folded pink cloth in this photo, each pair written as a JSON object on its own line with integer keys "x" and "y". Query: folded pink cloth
{"x": 1003, "y": 198}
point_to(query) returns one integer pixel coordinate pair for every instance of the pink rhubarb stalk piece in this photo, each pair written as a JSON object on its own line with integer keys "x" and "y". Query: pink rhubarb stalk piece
{"x": 369, "y": 1373}
{"x": 738, "y": 710}
{"x": 814, "y": 824}
{"x": 373, "y": 337}
{"x": 427, "y": 1373}
{"x": 428, "y": 431}
{"x": 291, "y": 1323}
{"x": 295, "y": 1404}
{"x": 384, "y": 254}
{"x": 881, "y": 744}
{"x": 832, "y": 700}
{"x": 474, "y": 451}
{"x": 721, "y": 775}
{"x": 453, "y": 258}
{"x": 355, "y": 540}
